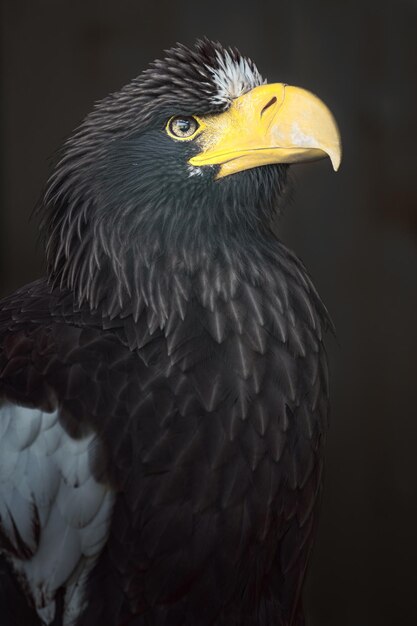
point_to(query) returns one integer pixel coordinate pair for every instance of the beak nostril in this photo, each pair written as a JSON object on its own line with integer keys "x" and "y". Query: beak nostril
{"x": 268, "y": 104}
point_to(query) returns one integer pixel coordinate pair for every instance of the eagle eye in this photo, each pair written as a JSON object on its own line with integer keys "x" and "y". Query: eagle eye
{"x": 182, "y": 127}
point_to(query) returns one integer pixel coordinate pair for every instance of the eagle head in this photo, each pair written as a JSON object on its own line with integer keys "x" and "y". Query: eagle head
{"x": 190, "y": 155}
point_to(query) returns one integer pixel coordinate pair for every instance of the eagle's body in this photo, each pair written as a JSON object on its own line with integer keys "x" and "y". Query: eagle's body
{"x": 163, "y": 392}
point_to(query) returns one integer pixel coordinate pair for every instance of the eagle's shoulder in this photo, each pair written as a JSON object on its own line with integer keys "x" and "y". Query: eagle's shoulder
{"x": 51, "y": 349}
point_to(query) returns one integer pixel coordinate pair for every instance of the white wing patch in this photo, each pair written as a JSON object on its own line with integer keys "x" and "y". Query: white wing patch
{"x": 54, "y": 514}
{"x": 233, "y": 78}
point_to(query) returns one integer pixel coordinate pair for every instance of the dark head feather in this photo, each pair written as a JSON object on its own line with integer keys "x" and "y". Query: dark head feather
{"x": 123, "y": 194}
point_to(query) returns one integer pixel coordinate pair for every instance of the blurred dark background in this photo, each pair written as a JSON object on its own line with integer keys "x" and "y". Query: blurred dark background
{"x": 355, "y": 230}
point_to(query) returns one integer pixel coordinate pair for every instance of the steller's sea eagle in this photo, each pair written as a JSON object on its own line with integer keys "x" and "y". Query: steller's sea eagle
{"x": 163, "y": 390}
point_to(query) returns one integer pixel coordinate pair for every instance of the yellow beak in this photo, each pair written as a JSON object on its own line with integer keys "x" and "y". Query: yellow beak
{"x": 270, "y": 124}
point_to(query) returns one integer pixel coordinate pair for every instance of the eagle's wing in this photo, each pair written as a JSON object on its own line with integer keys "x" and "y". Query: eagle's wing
{"x": 54, "y": 514}
{"x": 54, "y": 508}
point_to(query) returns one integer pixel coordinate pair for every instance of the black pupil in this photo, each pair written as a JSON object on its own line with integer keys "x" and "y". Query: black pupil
{"x": 183, "y": 126}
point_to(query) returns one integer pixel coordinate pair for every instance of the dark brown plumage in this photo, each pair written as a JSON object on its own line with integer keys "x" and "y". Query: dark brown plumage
{"x": 179, "y": 334}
